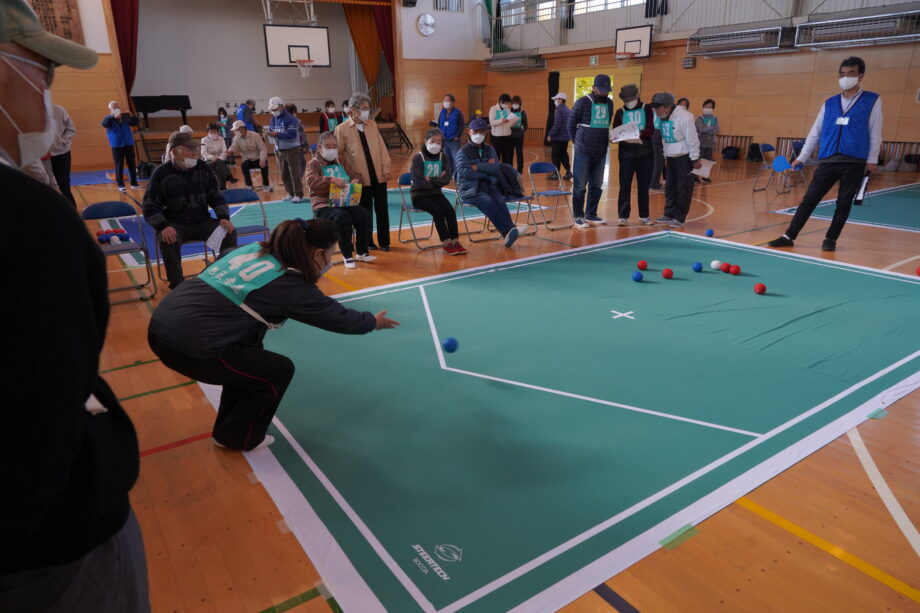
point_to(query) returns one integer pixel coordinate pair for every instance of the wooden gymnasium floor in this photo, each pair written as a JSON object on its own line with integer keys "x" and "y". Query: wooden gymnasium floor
{"x": 816, "y": 538}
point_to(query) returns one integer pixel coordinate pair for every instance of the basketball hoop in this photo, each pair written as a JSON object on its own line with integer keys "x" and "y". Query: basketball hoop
{"x": 304, "y": 66}
{"x": 624, "y": 59}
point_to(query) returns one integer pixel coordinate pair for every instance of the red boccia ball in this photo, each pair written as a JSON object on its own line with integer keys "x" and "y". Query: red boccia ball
{"x": 667, "y": 273}
{"x": 642, "y": 265}
{"x": 918, "y": 270}
{"x": 725, "y": 267}
{"x": 760, "y": 288}
{"x": 100, "y": 232}
{"x": 735, "y": 270}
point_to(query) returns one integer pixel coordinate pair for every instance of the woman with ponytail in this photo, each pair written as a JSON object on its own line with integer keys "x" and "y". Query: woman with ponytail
{"x": 211, "y": 328}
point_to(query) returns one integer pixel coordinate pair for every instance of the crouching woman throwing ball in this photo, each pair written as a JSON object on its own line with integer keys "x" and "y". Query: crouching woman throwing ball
{"x": 211, "y": 328}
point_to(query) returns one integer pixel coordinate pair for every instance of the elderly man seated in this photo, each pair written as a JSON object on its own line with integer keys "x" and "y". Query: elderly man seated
{"x": 251, "y": 147}
{"x": 177, "y": 200}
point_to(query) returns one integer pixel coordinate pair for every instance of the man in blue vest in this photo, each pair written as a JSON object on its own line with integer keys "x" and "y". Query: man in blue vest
{"x": 849, "y": 128}
{"x": 451, "y": 124}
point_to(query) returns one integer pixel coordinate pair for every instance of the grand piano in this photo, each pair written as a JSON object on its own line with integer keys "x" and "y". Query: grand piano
{"x": 154, "y": 104}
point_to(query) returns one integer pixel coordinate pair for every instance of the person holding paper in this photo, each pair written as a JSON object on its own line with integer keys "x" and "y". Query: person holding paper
{"x": 589, "y": 123}
{"x": 211, "y": 329}
{"x": 430, "y": 171}
{"x": 849, "y": 129}
{"x": 635, "y": 158}
{"x": 118, "y": 126}
{"x": 324, "y": 173}
{"x": 682, "y": 154}
{"x": 517, "y": 133}
{"x": 502, "y": 121}
{"x": 288, "y": 154}
{"x": 707, "y": 127}
{"x": 176, "y": 204}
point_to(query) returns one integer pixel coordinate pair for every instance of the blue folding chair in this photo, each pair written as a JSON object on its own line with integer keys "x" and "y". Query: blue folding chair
{"x": 559, "y": 194}
{"x": 524, "y": 202}
{"x": 405, "y": 181}
{"x": 765, "y": 164}
{"x": 248, "y": 196}
{"x": 114, "y": 209}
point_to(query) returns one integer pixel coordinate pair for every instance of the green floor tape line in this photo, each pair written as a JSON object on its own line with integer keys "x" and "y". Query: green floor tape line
{"x": 290, "y": 603}
{"x": 137, "y": 363}
{"x": 679, "y": 537}
{"x": 334, "y": 606}
{"x": 157, "y": 391}
{"x": 877, "y": 414}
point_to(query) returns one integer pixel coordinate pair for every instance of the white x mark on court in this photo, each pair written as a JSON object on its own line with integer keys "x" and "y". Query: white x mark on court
{"x": 627, "y": 315}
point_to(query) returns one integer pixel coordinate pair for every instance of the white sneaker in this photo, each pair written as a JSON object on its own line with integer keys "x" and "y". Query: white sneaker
{"x": 350, "y": 263}
{"x": 581, "y": 223}
{"x": 646, "y": 221}
{"x": 623, "y": 222}
{"x": 296, "y": 199}
{"x": 121, "y": 188}
{"x": 266, "y": 188}
{"x": 365, "y": 257}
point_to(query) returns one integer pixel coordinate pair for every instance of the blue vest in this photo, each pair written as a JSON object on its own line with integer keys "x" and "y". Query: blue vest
{"x": 851, "y": 139}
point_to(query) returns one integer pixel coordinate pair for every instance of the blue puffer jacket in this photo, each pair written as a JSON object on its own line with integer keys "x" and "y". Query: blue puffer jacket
{"x": 560, "y": 129}
{"x": 593, "y": 142}
{"x": 465, "y": 177}
{"x": 119, "y": 130}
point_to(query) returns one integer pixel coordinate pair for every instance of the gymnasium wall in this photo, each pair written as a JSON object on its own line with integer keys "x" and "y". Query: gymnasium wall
{"x": 85, "y": 93}
{"x": 214, "y": 50}
{"x": 764, "y": 96}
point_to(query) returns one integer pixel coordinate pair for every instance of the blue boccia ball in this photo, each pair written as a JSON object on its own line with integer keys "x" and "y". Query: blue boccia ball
{"x": 709, "y": 232}
{"x": 637, "y": 276}
{"x": 104, "y": 238}
{"x": 450, "y": 344}
{"x": 697, "y": 266}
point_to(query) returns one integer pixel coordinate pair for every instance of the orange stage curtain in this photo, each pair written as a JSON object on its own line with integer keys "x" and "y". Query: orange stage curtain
{"x": 363, "y": 30}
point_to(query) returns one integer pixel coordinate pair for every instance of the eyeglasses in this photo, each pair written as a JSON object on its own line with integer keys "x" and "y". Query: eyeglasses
{"x": 47, "y": 67}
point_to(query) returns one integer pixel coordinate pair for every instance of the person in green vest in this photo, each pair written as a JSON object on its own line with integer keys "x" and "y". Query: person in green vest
{"x": 212, "y": 327}
{"x": 517, "y": 133}
{"x": 707, "y": 127}
{"x": 431, "y": 169}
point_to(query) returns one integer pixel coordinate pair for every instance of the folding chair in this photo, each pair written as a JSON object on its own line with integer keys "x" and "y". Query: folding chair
{"x": 781, "y": 166}
{"x": 560, "y": 193}
{"x": 248, "y": 196}
{"x": 405, "y": 180}
{"x": 115, "y": 209}
{"x": 523, "y": 201}
{"x": 764, "y": 148}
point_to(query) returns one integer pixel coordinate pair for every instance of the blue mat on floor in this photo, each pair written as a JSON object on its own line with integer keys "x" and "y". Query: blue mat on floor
{"x": 95, "y": 177}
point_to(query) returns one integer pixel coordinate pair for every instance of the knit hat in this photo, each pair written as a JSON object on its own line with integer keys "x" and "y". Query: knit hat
{"x": 662, "y": 99}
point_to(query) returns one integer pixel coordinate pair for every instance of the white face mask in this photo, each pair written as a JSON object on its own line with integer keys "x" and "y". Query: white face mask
{"x": 477, "y": 138}
{"x": 330, "y": 155}
{"x": 707, "y": 110}
{"x": 213, "y": 136}
{"x": 446, "y": 105}
{"x": 515, "y": 106}
{"x": 33, "y": 145}
{"x": 325, "y": 268}
{"x": 557, "y": 101}
{"x": 433, "y": 148}
{"x": 506, "y": 106}
{"x": 276, "y": 113}
{"x": 189, "y": 162}
{"x": 365, "y": 115}
{"x": 116, "y": 113}
{"x": 632, "y": 104}
{"x": 346, "y": 108}
{"x": 847, "y": 83}
{"x": 330, "y": 109}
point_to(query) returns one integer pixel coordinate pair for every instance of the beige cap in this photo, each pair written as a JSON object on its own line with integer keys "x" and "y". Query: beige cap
{"x": 237, "y": 125}
{"x": 19, "y": 24}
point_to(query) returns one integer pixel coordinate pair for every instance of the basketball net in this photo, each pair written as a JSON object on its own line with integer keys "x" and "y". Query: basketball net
{"x": 304, "y": 66}
{"x": 624, "y": 58}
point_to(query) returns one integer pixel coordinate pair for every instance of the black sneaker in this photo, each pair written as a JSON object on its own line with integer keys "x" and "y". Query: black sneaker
{"x": 829, "y": 245}
{"x": 373, "y": 246}
{"x": 782, "y": 241}
{"x": 567, "y": 177}
{"x": 384, "y": 247}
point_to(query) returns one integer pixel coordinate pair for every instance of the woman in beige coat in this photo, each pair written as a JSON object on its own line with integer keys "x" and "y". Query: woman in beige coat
{"x": 363, "y": 153}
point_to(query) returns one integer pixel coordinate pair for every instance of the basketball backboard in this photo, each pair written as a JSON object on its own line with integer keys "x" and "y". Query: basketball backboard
{"x": 284, "y": 45}
{"x": 636, "y": 40}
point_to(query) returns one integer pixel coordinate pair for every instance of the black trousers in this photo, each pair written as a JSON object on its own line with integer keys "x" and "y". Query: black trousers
{"x": 560, "y": 155}
{"x": 121, "y": 156}
{"x": 443, "y": 214}
{"x": 517, "y": 150}
{"x": 172, "y": 257}
{"x": 850, "y": 176}
{"x": 659, "y": 169}
{"x": 374, "y": 199}
{"x": 221, "y": 171}
{"x": 503, "y": 148}
{"x": 249, "y": 165}
{"x": 642, "y": 169}
{"x": 254, "y": 381}
{"x": 60, "y": 166}
{"x": 678, "y": 191}
{"x": 349, "y": 220}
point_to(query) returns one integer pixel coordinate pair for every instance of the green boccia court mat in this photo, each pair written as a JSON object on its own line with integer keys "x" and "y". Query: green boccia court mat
{"x": 896, "y": 208}
{"x": 584, "y": 418}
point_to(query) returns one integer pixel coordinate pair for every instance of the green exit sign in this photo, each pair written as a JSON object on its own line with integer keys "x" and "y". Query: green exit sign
{"x": 592, "y": 60}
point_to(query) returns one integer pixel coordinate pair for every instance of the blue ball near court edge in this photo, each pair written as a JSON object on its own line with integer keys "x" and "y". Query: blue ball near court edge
{"x": 697, "y": 266}
{"x": 709, "y": 232}
{"x": 637, "y": 276}
{"x": 450, "y": 344}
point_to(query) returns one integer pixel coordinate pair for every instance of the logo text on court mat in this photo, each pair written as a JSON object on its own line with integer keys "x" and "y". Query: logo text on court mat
{"x": 426, "y": 563}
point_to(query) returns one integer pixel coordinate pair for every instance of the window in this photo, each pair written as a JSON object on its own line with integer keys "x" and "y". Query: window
{"x": 454, "y": 6}
{"x": 546, "y": 10}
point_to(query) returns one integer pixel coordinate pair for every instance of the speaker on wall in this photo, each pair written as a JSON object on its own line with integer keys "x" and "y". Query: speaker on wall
{"x": 409, "y": 3}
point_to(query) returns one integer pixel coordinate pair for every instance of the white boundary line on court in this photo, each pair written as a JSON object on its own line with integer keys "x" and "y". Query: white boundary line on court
{"x": 904, "y": 261}
{"x": 437, "y": 346}
{"x": 884, "y": 492}
{"x": 337, "y": 576}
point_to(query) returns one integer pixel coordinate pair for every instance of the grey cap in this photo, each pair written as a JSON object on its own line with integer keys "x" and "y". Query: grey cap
{"x": 19, "y": 24}
{"x": 629, "y": 92}
{"x": 662, "y": 99}
{"x": 183, "y": 139}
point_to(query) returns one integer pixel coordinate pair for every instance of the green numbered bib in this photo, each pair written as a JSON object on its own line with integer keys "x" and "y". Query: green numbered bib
{"x": 600, "y": 116}
{"x": 333, "y": 122}
{"x": 657, "y": 122}
{"x": 709, "y": 121}
{"x": 433, "y": 169}
{"x": 335, "y": 170}
{"x": 667, "y": 131}
{"x": 636, "y": 116}
{"x": 242, "y": 272}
